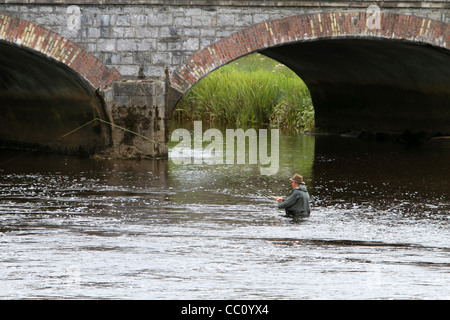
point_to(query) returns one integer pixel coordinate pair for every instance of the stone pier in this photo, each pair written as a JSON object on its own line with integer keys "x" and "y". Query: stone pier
{"x": 140, "y": 107}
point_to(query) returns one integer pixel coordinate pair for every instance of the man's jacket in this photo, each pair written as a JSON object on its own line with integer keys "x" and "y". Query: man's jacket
{"x": 297, "y": 204}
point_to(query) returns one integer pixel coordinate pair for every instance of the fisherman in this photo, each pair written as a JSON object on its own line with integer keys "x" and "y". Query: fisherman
{"x": 297, "y": 204}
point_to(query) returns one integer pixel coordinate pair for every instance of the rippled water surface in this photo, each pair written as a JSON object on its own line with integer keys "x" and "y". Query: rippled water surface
{"x": 81, "y": 228}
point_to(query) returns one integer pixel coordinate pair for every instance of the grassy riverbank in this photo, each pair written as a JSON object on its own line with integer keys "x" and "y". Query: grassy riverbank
{"x": 253, "y": 89}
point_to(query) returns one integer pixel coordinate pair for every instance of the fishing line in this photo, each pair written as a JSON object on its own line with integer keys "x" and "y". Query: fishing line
{"x": 165, "y": 146}
{"x": 130, "y": 131}
{"x": 48, "y": 143}
{"x": 141, "y": 136}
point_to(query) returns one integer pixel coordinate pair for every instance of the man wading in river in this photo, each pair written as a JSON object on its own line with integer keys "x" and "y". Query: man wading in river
{"x": 297, "y": 204}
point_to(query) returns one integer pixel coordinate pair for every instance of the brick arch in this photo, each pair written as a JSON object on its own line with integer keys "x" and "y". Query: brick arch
{"x": 29, "y": 35}
{"x": 307, "y": 27}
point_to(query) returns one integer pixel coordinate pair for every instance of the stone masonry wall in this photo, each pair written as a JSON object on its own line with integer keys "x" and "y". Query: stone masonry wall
{"x": 141, "y": 40}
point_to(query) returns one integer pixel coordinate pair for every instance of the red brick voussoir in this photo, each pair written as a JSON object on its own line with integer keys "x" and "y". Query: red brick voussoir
{"x": 33, "y": 37}
{"x": 308, "y": 27}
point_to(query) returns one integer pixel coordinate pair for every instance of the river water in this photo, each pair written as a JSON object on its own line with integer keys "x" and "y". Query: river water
{"x": 74, "y": 228}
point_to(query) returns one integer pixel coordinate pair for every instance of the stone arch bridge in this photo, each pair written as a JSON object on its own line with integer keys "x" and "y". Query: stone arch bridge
{"x": 370, "y": 65}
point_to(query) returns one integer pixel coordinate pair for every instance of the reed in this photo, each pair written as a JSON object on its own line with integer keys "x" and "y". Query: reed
{"x": 252, "y": 90}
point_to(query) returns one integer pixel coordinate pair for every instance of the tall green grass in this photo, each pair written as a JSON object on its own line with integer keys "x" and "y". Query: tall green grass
{"x": 253, "y": 89}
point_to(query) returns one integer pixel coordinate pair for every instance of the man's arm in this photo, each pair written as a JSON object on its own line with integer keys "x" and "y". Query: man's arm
{"x": 289, "y": 201}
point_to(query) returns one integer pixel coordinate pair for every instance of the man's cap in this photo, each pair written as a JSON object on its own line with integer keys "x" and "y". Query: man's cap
{"x": 297, "y": 178}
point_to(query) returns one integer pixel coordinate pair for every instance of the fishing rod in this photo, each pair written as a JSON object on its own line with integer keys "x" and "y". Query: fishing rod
{"x": 143, "y": 137}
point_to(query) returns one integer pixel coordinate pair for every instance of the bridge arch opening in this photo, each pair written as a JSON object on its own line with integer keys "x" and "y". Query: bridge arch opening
{"x": 373, "y": 85}
{"x": 48, "y": 87}
{"x": 251, "y": 90}
{"x": 391, "y": 79}
{"x": 41, "y": 100}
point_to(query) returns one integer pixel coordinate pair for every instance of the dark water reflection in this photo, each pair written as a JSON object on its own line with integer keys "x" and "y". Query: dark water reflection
{"x": 79, "y": 228}
{"x": 386, "y": 175}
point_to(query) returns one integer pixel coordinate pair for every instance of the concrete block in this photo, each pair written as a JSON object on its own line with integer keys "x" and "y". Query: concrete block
{"x": 114, "y": 9}
{"x": 94, "y": 32}
{"x": 108, "y": 95}
{"x": 242, "y": 20}
{"x": 142, "y": 57}
{"x": 178, "y": 58}
{"x": 141, "y": 101}
{"x": 146, "y": 32}
{"x": 144, "y": 88}
{"x": 127, "y": 44}
{"x": 174, "y": 45}
{"x": 160, "y": 19}
{"x": 154, "y": 71}
{"x": 123, "y": 20}
{"x": 162, "y": 58}
{"x": 193, "y": 11}
{"x": 205, "y": 42}
{"x": 46, "y": 9}
{"x": 166, "y": 32}
{"x": 24, "y": 9}
{"x": 225, "y": 20}
{"x": 104, "y": 20}
{"x": 191, "y": 44}
{"x": 161, "y": 46}
{"x": 126, "y": 58}
{"x": 224, "y": 33}
{"x": 86, "y": 20}
{"x": 202, "y": 21}
{"x": 106, "y": 45}
{"x": 208, "y": 32}
{"x": 124, "y": 88}
{"x": 182, "y": 22}
{"x": 45, "y": 19}
{"x": 128, "y": 70}
{"x": 139, "y": 20}
{"x": 159, "y": 88}
{"x": 258, "y": 18}
{"x": 192, "y": 32}
{"x": 121, "y": 100}
{"x": 112, "y": 58}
